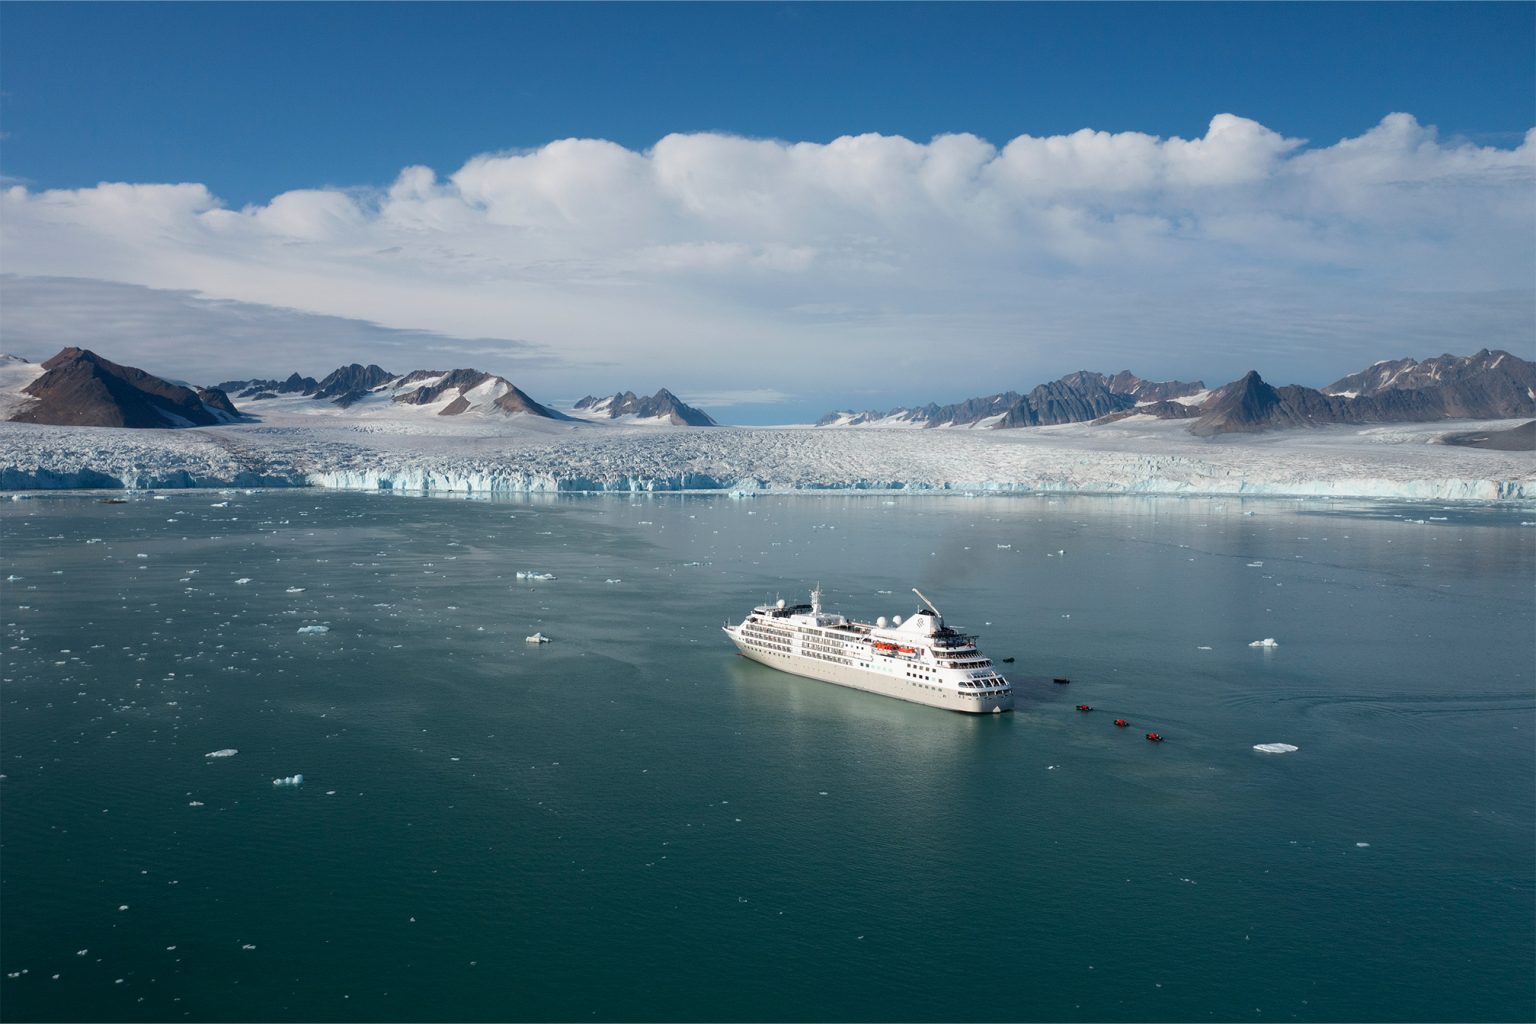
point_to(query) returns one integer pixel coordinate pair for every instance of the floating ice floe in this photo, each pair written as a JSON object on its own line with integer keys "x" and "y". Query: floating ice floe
{"x": 314, "y": 629}
{"x": 243, "y": 580}
{"x": 226, "y": 752}
{"x": 295, "y": 590}
{"x": 537, "y": 638}
{"x": 1275, "y": 748}
{"x": 1268, "y": 641}
{"x": 289, "y": 780}
{"x": 613, "y": 581}
{"x": 1255, "y": 565}
{"x": 535, "y": 575}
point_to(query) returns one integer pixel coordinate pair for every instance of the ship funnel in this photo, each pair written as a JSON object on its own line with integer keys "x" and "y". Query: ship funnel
{"x": 929, "y": 604}
{"x": 816, "y": 600}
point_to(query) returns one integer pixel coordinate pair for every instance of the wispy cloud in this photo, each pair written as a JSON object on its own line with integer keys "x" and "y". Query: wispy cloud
{"x": 186, "y": 335}
{"x": 930, "y": 270}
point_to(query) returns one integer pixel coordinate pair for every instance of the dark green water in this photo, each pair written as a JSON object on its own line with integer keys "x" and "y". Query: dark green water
{"x": 633, "y": 823}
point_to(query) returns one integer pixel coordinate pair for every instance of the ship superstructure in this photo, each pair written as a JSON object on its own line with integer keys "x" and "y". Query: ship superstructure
{"x": 920, "y": 659}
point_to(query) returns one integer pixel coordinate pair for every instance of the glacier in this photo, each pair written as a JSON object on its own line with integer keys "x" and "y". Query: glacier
{"x": 1137, "y": 455}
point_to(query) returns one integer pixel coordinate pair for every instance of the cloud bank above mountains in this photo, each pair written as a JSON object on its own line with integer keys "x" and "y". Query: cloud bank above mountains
{"x": 717, "y": 262}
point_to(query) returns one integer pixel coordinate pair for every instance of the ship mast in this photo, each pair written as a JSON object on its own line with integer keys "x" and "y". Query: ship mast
{"x": 928, "y": 603}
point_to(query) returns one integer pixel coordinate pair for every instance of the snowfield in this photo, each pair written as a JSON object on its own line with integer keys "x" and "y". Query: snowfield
{"x": 1137, "y": 455}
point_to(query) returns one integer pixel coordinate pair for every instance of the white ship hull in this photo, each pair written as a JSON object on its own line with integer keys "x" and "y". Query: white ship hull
{"x": 922, "y": 662}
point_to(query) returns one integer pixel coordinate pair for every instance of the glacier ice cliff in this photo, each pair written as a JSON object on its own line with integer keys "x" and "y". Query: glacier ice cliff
{"x": 1125, "y": 458}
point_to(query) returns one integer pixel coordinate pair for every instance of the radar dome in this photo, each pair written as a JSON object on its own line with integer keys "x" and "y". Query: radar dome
{"x": 896, "y": 619}
{"x": 781, "y": 603}
{"x": 880, "y": 622}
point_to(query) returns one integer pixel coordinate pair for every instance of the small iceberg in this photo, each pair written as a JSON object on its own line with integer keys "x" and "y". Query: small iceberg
{"x": 537, "y": 638}
{"x": 1268, "y": 641}
{"x": 535, "y": 575}
{"x": 243, "y": 580}
{"x": 314, "y": 629}
{"x": 295, "y": 590}
{"x": 290, "y": 780}
{"x": 226, "y": 752}
{"x": 1275, "y": 748}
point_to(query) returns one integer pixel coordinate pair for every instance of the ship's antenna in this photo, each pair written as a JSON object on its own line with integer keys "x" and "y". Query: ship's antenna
{"x": 928, "y": 603}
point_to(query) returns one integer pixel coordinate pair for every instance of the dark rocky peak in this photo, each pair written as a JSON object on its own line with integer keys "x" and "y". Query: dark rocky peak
{"x": 346, "y": 384}
{"x": 215, "y": 398}
{"x": 1245, "y": 405}
{"x": 515, "y": 401}
{"x": 80, "y": 388}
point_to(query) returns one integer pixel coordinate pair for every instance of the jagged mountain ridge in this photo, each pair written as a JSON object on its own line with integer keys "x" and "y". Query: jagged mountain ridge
{"x": 78, "y": 388}
{"x": 1075, "y": 398}
{"x": 663, "y": 405}
{"x": 257, "y": 390}
{"x": 1486, "y": 385}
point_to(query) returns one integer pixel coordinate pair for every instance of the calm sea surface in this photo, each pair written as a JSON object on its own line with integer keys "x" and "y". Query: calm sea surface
{"x": 633, "y": 823}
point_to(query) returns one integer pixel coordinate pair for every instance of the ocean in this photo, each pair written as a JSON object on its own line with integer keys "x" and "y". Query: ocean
{"x": 633, "y": 823}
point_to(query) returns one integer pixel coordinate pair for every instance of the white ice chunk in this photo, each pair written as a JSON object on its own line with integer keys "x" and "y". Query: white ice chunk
{"x": 1275, "y": 748}
{"x": 289, "y": 780}
{"x": 1268, "y": 641}
{"x": 314, "y": 629}
{"x": 226, "y": 752}
{"x": 537, "y": 638}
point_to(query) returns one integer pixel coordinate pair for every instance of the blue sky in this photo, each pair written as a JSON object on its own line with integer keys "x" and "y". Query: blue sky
{"x": 252, "y": 102}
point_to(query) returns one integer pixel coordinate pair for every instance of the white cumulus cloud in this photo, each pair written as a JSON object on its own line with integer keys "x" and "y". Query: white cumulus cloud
{"x": 717, "y": 262}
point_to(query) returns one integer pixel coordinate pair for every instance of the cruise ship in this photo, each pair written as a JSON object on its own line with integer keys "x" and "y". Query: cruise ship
{"x": 921, "y": 659}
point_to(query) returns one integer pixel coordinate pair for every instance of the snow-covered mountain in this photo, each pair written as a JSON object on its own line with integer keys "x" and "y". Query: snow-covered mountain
{"x": 78, "y": 388}
{"x": 661, "y": 408}
{"x": 374, "y": 391}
